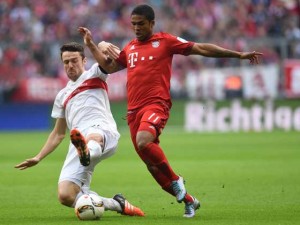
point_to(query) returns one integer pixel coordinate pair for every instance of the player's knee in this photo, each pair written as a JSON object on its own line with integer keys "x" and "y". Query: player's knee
{"x": 67, "y": 192}
{"x": 95, "y": 137}
{"x": 141, "y": 144}
{"x": 143, "y": 138}
{"x": 66, "y": 199}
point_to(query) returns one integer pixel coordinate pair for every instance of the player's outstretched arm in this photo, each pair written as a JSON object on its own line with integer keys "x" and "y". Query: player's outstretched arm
{"x": 54, "y": 139}
{"x": 104, "y": 58}
{"x": 211, "y": 50}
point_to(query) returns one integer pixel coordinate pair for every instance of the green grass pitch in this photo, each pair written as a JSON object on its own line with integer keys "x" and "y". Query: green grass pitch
{"x": 240, "y": 178}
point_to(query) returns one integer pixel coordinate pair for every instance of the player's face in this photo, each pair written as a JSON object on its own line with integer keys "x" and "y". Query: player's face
{"x": 142, "y": 27}
{"x": 73, "y": 64}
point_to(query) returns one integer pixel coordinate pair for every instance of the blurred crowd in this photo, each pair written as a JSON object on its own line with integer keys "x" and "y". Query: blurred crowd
{"x": 31, "y": 31}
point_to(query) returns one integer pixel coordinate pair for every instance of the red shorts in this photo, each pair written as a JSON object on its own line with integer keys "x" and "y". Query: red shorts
{"x": 152, "y": 118}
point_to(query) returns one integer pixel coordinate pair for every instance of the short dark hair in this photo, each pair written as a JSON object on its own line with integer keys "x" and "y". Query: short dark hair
{"x": 72, "y": 47}
{"x": 144, "y": 10}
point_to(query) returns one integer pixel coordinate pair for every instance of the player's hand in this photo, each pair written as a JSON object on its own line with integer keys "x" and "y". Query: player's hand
{"x": 86, "y": 34}
{"x": 109, "y": 49}
{"x": 252, "y": 56}
{"x": 28, "y": 163}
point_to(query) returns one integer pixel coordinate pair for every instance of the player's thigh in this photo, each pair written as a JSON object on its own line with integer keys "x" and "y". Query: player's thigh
{"x": 110, "y": 144}
{"x": 107, "y": 139}
{"x": 152, "y": 123}
{"x": 73, "y": 171}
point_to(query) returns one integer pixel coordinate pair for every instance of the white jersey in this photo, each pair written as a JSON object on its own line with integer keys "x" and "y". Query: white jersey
{"x": 83, "y": 106}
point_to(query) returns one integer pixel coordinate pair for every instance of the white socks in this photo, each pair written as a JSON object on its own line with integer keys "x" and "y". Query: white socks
{"x": 95, "y": 149}
{"x": 111, "y": 204}
{"x": 77, "y": 197}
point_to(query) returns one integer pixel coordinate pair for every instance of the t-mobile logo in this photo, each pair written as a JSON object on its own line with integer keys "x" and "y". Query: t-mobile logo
{"x": 132, "y": 57}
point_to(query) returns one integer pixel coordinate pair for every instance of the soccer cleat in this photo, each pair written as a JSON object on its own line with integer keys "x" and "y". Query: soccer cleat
{"x": 79, "y": 142}
{"x": 190, "y": 208}
{"x": 179, "y": 189}
{"x": 127, "y": 208}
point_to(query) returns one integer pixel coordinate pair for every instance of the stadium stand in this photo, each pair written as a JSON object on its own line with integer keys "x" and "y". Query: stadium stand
{"x": 31, "y": 31}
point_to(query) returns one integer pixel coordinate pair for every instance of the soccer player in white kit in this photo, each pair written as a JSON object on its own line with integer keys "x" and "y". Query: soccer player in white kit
{"x": 83, "y": 107}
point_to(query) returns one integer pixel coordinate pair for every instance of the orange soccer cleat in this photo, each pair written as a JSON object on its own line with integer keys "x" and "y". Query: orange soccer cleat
{"x": 128, "y": 209}
{"x": 79, "y": 142}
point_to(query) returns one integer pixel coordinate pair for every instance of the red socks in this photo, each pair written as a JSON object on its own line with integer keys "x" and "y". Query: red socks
{"x": 158, "y": 164}
{"x": 160, "y": 168}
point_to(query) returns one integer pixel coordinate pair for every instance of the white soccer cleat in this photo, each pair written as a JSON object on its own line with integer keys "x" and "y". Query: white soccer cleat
{"x": 179, "y": 189}
{"x": 190, "y": 208}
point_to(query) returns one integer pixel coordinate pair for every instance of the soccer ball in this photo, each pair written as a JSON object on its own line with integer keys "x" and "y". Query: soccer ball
{"x": 89, "y": 207}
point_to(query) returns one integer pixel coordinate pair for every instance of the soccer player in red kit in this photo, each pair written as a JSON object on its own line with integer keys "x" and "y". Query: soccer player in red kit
{"x": 148, "y": 60}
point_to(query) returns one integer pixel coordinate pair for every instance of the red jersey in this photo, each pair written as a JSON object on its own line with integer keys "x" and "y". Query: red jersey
{"x": 148, "y": 66}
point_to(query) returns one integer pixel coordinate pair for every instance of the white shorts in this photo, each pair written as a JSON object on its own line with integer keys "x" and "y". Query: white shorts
{"x": 73, "y": 171}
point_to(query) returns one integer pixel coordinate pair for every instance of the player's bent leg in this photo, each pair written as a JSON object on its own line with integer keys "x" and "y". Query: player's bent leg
{"x": 67, "y": 193}
{"x": 152, "y": 154}
{"x": 101, "y": 144}
{"x": 127, "y": 208}
{"x": 79, "y": 142}
{"x": 154, "y": 157}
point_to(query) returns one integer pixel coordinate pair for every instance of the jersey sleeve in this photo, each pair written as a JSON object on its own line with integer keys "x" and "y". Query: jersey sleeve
{"x": 122, "y": 58}
{"x": 58, "y": 110}
{"x": 178, "y": 45}
{"x": 96, "y": 71}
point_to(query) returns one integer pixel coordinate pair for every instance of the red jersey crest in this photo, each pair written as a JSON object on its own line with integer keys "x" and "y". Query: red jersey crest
{"x": 155, "y": 44}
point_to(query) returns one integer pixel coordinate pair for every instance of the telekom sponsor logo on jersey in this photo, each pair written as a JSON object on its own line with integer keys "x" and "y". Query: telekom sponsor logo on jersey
{"x": 133, "y": 57}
